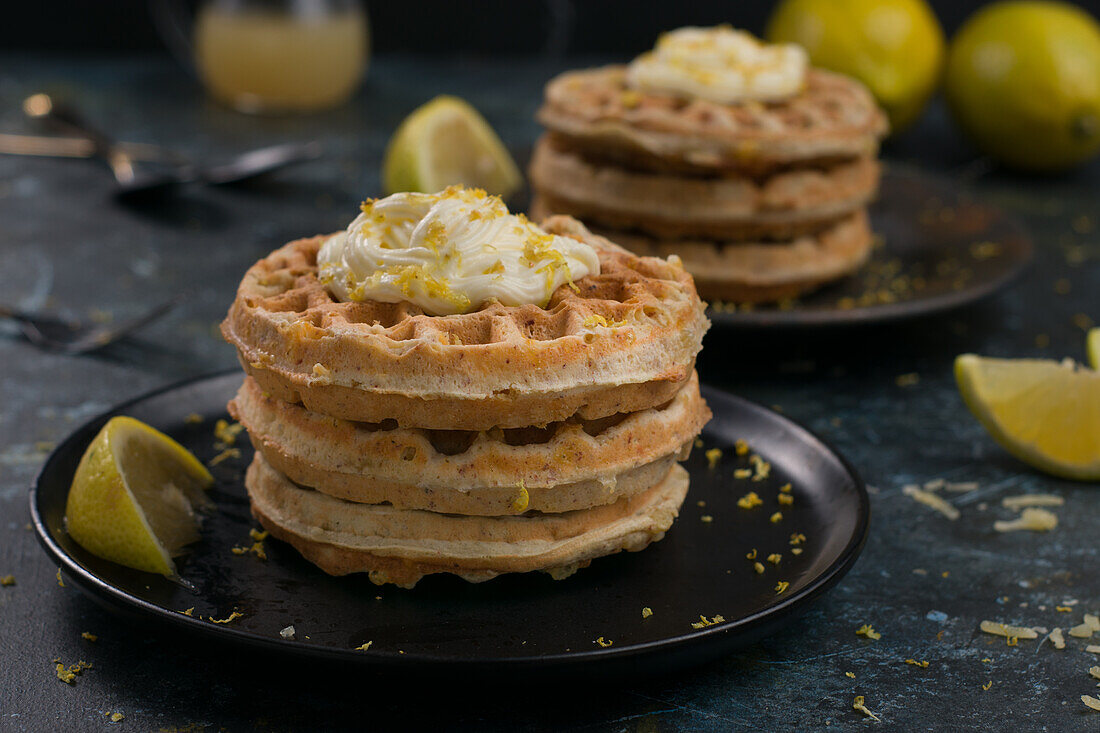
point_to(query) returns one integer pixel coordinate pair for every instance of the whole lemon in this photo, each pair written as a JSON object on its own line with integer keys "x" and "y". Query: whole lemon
{"x": 1023, "y": 81}
{"x": 895, "y": 47}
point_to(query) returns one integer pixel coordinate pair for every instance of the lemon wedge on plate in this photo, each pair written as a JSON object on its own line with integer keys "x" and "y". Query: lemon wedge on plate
{"x": 134, "y": 497}
{"x": 1044, "y": 412}
{"x": 445, "y": 142}
{"x": 1093, "y": 347}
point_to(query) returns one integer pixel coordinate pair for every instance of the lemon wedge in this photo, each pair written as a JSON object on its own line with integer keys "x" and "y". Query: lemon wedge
{"x": 1044, "y": 412}
{"x": 1093, "y": 347}
{"x": 134, "y": 496}
{"x": 445, "y": 142}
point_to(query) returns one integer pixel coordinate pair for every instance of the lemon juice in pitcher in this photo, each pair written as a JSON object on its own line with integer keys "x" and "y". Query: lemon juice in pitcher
{"x": 297, "y": 55}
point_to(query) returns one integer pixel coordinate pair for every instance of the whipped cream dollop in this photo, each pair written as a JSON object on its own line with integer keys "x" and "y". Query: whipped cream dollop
{"x": 719, "y": 64}
{"x": 449, "y": 252}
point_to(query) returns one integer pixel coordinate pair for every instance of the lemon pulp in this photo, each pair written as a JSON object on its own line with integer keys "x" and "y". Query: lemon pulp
{"x": 134, "y": 496}
{"x": 1044, "y": 412}
{"x": 447, "y": 142}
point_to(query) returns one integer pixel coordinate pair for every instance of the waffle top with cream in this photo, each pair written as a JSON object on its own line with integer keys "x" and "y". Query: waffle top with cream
{"x": 449, "y": 252}
{"x": 721, "y": 65}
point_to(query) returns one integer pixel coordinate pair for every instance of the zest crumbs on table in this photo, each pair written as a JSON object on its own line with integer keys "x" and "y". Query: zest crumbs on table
{"x": 603, "y": 642}
{"x": 868, "y": 631}
{"x": 758, "y": 567}
{"x": 850, "y": 674}
{"x": 776, "y": 518}
{"x": 257, "y": 546}
{"x": 1011, "y": 633}
{"x": 89, "y": 636}
{"x": 798, "y": 538}
{"x": 785, "y": 499}
{"x": 193, "y": 418}
{"x": 929, "y": 499}
{"x": 364, "y": 647}
{"x": 189, "y": 611}
{"x": 751, "y": 554}
{"x": 907, "y": 380}
{"x": 225, "y": 455}
{"x": 774, "y": 558}
{"x": 713, "y": 456}
{"x": 859, "y": 704}
{"x": 68, "y": 674}
{"x": 1032, "y": 519}
{"x": 233, "y": 616}
{"x": 740, "y": 473}
{"x": 781, "y": 587}
{"x": 225, "y": 433}
{"x": 647, "y": 612}
{"x": 7, "y": 580}
{"x": 915, "y": 663}
{"x": 59, "y": 580}
{"x": 741, "y": 448}
{"x": 706, "y": 519}
{"x": 987, "y": 685}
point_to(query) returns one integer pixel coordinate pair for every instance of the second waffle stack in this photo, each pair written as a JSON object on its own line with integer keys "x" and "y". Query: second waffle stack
{"x": 763, "y": 200}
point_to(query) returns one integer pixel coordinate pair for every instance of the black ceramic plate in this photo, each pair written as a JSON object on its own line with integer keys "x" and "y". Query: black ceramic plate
{"x": 509, "y": 624}
{"x": 937, "y": 249}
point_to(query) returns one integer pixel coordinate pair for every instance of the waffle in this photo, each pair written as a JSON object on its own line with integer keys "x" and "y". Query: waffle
{"x": 592, "y": 110}
{"x": 401, "y": 546}
{"x": 625, "y": 341}
{"x": 570, "y": 465}
{"x": 762, "y": 272}
{"x": 782, "y": 206}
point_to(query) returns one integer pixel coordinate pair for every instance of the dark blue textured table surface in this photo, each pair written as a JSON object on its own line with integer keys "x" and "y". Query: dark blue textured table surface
{"x": 924, "y": 582}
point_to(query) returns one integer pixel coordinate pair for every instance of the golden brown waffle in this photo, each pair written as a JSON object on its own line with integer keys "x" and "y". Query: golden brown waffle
{"x": 835, "y": 118}
{"x": 626, "y": 340}
{"x": 401, "y": 546}
{"x": 782, "y": 206}
{"x": 570, "y": 465}
{"x": 762, "y": 272}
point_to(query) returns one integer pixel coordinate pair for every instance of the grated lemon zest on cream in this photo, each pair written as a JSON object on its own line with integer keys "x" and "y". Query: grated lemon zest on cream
{"x": 450, "y": 252}
{"x": 719, "y": 64}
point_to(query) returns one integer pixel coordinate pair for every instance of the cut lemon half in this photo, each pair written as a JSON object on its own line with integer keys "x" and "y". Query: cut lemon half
{"x": 134, "y": 496}
{"x": 1093, "y": 347}
{"x": 445, "y": 142}
{"x": 1044, "y": 412}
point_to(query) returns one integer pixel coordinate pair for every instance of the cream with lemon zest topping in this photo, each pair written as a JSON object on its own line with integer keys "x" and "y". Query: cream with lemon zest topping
{"x": 449, "y": 252}
{"x": 719, "y": 64}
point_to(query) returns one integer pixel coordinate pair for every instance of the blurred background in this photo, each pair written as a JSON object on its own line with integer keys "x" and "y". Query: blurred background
{"x": 434, "y": 26}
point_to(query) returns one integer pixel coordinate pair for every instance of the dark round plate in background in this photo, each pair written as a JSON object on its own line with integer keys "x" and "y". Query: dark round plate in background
{"x": 936, "y": 249}
{"x": 527, "y": 623}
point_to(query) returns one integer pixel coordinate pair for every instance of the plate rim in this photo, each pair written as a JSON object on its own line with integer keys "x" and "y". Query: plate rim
{"x": 887, "y": 313}
{"x": 117, "y": 600}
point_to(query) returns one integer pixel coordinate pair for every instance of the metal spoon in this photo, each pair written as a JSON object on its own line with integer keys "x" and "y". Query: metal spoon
{"x": 133, "y": 181}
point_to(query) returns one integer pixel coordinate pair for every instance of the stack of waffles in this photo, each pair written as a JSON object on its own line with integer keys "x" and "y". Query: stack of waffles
{"x": 763, "y": 200}
{"x": 506, "y": 439}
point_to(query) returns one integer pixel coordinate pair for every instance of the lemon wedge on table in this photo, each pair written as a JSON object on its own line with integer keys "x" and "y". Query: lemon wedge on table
{"x": 445, "y": 142}
{"x": 1044, "y": 412}
{"x": 134, "y": 496}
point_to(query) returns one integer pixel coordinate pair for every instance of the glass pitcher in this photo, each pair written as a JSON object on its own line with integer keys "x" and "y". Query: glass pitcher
{"x": 273, "y": 56}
